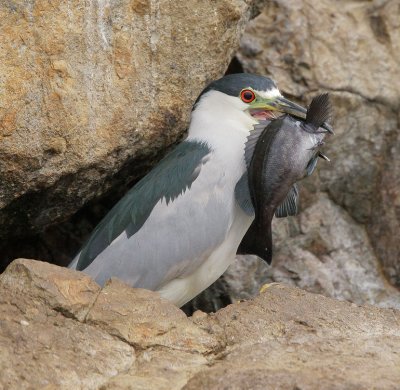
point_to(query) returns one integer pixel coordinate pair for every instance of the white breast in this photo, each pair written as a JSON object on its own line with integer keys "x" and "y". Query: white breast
{"x": 182, "y": 290}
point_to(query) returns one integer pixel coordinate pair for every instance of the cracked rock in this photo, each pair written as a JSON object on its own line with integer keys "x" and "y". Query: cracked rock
{"x": 131, "y": 339}
{"x": 43, "y": 340}
{"x": 130, "y": 315}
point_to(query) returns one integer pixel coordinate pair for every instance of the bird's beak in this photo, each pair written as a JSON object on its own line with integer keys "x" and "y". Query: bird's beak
{"x": 284, "y": 105}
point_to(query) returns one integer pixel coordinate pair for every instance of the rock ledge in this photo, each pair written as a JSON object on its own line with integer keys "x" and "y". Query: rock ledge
{"x": 60, "y": 330}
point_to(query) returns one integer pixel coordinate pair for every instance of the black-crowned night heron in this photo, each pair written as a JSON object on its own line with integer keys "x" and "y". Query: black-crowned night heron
{"x": 178, "y": 229}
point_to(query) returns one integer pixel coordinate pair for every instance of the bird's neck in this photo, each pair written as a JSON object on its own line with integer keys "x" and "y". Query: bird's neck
{"x": 221, "y": 122}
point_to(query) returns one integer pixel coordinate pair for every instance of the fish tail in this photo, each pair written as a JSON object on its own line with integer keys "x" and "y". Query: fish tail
{"x": 258, "y": 241}
{"x": 265, "y": 250}
{"x": 319, "y": 110}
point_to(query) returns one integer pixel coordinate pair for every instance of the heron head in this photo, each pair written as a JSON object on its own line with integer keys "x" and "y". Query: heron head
{"x": 258, "y": 96}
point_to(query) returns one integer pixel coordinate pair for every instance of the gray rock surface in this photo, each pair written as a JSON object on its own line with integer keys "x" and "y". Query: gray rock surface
{"x": 87, "y": 88}
{"x": 59, "y": 330}
{"x": 324, "y": 251}
{"x": 350, "y": 49}
{"x": 348, "y": 229}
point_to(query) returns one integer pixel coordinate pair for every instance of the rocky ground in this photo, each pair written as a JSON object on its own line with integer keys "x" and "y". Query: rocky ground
{"x": 60, "y": 330}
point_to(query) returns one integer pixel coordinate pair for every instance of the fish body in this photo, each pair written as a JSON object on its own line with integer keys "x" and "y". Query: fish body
{"x": 279, "y": 154}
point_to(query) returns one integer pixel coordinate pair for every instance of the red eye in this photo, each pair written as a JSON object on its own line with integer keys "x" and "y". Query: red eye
{"x": 247, "y": 95}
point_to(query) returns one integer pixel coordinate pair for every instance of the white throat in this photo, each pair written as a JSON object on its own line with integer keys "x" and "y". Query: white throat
{"x": 221, "y": 120}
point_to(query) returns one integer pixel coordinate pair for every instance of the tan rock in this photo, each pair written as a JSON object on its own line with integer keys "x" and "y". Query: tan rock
{"x": 87, "y": 87}
{"x": 61, "y": 289}
{"x": 284, "y": 338}
{"x": 287, "y": 338}
{"x": 144, "y": 319}
{"x": 161, "y": 369}
{"x": 42, "y": 344}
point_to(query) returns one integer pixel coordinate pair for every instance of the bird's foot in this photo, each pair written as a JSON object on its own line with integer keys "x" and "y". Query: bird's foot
{"x": 265, "y": 286}
{"x": 241, "y": 300}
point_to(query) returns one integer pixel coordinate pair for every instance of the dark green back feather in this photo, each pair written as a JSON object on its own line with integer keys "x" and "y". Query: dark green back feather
{"x": 169, "y": 179}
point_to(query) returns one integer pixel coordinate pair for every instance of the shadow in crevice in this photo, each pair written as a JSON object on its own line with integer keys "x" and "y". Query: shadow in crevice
{"x": 58, "y": 244}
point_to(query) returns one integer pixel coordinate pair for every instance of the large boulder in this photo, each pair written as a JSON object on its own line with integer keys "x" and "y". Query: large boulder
{"x": 59, "y": 330}
{"x": 90, "y": 87}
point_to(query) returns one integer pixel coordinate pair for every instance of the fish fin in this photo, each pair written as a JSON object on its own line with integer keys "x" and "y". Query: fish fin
{"x": 252, "y": 140}
{"x": 243, "y": 196}
{"x": 289, "y": 207}
{"x": 319, "y": 110}
{"x": 311, "y": 165}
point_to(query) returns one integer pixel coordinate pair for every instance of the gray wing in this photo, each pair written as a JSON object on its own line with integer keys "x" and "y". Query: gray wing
{"x": 166, "y": 225}
{"x": 170, "y": 178}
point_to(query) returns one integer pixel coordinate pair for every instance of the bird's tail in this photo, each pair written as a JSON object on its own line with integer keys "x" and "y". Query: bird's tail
{"x": 74, "y": 262}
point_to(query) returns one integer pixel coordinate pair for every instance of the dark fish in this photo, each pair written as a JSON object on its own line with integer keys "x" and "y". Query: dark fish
{"x": 279, "y": 154}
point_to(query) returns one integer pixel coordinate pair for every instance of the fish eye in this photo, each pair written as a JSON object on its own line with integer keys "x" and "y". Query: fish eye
{"x": 247, "y": 95}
